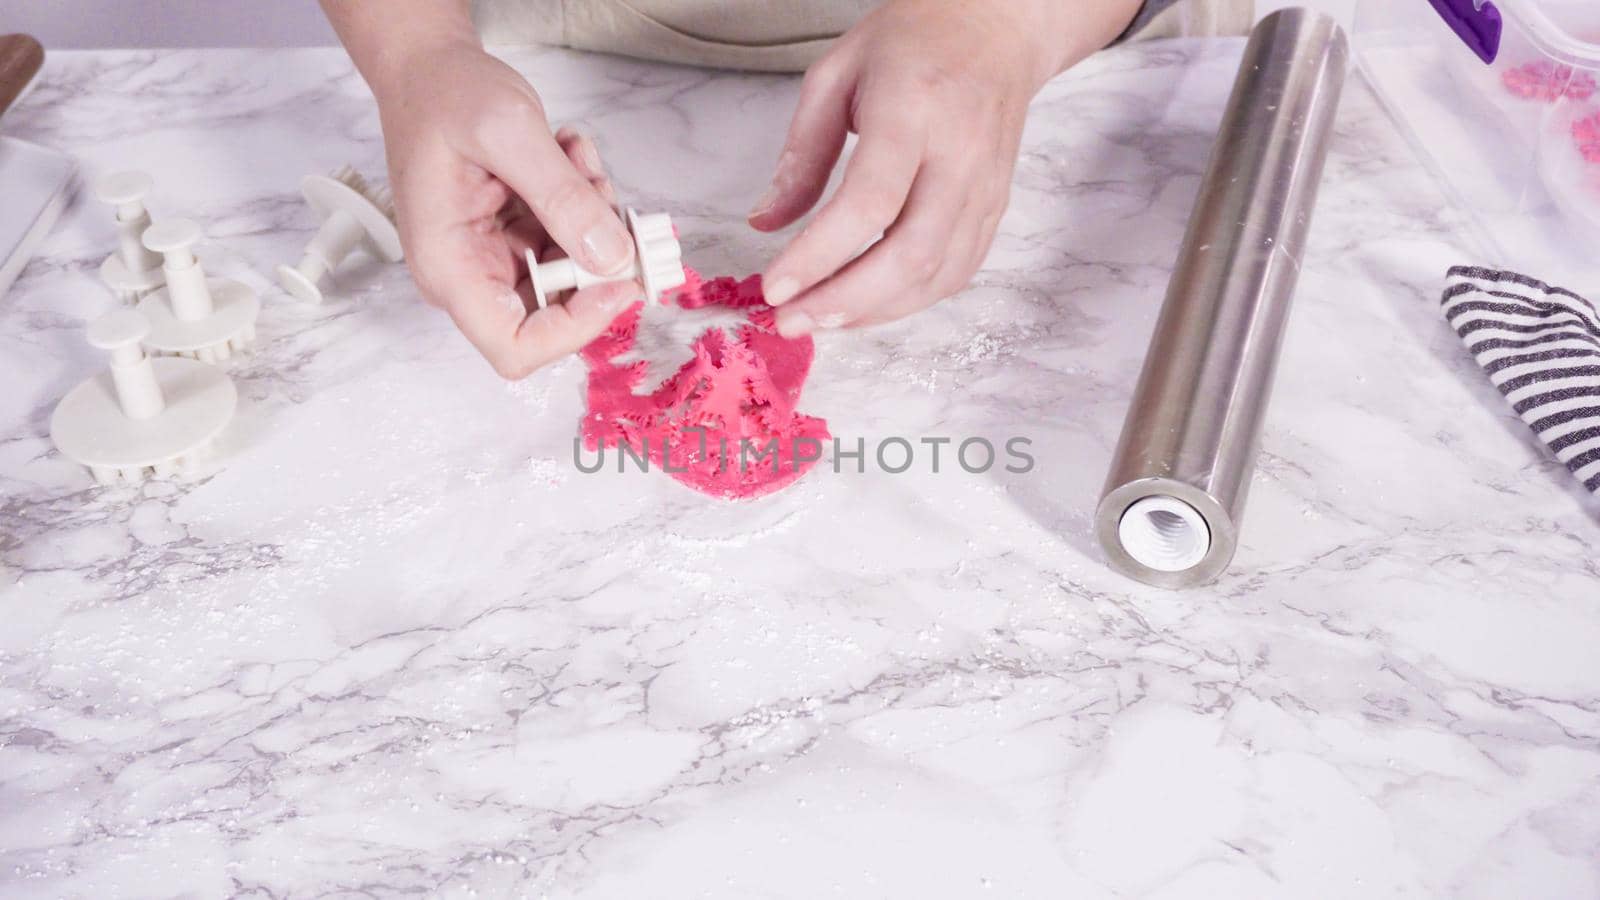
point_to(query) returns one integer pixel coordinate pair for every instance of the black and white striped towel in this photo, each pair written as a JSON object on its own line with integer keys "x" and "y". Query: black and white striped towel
{"x": 1541, "y": 348}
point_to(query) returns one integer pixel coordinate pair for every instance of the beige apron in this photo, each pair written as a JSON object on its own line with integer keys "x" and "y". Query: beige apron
{"x": 763, "y": 35}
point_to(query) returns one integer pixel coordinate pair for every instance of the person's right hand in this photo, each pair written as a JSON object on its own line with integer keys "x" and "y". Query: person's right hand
{"x": 477, "y": 178}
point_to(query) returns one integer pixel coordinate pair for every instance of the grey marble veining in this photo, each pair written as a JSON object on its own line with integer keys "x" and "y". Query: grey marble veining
{"x": 395, "y": 643}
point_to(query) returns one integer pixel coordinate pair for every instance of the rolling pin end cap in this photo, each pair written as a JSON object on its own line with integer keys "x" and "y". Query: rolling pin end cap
{"x": 1165, "y": 534}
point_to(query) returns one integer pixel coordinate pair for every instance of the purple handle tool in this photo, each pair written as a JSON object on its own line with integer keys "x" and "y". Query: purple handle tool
{"x": 1478, "y": 27}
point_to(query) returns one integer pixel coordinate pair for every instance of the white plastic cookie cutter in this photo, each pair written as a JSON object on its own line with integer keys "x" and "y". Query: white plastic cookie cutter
{"x": 143, "y": 416}
{"x": 134, "y": 270}
{"x": 194, "y": 316}
{"x": 657, "y": 263}
{"x": 354, "y": 214}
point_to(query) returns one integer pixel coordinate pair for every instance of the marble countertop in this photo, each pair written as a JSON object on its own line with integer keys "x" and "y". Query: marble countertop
{"x": 397, "y": 643}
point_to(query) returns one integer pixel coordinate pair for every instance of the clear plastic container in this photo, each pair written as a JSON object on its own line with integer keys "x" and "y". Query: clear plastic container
{"x": 1510, "y": 126}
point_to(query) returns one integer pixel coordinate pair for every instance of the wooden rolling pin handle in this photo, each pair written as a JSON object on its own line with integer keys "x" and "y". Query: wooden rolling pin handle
{"x": 20, "y": 60}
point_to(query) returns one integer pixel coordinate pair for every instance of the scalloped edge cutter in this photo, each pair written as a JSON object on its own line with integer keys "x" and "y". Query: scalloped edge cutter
{"x": 354, "y": 214}
{"x": 144, "y": 416}
{"x": 657, "y": 263}
{"x": 194, "y": 316}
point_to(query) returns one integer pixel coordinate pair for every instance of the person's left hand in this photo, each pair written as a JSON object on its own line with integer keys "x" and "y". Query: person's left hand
{"x": 938, "y": 91}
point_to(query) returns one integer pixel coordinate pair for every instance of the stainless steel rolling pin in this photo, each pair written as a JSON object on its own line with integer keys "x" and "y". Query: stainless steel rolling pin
{"x": 1173, "y": 501}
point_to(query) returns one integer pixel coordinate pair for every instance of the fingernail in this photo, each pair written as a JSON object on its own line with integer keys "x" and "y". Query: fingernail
{"x": 793, "y": 323}
{"x": 607, "y": 244}
{"x": 591, "y": 159}
{"x": 512, "y": 301}
{"x": 781, "y": 177}
{"x": 766, "y": 203}
{"x": 781, "y": 291}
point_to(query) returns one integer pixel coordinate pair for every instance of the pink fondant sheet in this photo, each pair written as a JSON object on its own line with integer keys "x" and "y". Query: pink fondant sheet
{"x": 726, "y": 423}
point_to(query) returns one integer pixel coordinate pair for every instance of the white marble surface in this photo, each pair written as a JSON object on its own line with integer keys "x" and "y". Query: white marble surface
{"x": 397, "y": 644}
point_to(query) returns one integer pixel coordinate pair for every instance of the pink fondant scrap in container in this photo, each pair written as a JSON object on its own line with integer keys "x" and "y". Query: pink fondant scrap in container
{"x": 1548, "y": 82}
{"x": 1586, "y": 133}
{"x": 725, "y": 423}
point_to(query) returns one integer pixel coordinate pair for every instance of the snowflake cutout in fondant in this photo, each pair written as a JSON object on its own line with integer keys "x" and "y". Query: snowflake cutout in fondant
{"x": 725, "y": 423}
